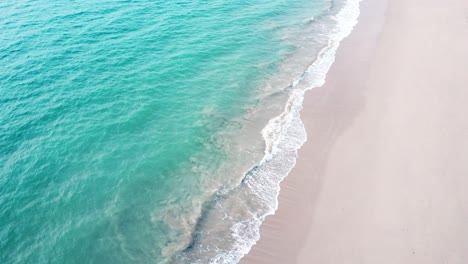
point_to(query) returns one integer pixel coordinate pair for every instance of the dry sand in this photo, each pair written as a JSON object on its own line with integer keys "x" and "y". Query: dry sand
{"x": 383, "y": 177}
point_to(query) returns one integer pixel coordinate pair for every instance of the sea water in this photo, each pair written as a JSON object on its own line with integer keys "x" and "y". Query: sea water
{"x": 152, "y": 131}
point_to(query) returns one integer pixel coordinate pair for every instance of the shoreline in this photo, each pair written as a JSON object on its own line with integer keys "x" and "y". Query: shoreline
{"x": 353, "y": 196}
{"x": 279, "y": 243}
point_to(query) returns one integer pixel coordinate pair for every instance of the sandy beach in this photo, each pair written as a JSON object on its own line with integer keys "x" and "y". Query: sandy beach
{"x": 383, "y": 177}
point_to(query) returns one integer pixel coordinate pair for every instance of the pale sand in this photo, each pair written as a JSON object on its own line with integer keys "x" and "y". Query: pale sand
{"x": 383, "y": 177}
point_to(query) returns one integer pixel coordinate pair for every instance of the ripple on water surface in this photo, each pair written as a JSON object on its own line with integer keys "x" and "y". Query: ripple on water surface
{"x": 126, "y": 127}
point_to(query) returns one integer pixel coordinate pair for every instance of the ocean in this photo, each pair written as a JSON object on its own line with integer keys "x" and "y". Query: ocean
{"x": 153, "y": 131}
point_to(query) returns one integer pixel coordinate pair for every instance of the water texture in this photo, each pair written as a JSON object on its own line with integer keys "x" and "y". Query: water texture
{"x": 138, "y": 131}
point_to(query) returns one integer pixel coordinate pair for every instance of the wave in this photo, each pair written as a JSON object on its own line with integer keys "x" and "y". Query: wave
{"x": 241, "y": 210}
{"x": 284, "y": 135}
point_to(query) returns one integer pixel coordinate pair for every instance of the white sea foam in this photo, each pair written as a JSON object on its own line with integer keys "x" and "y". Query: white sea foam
{"x": 284, "y": 135}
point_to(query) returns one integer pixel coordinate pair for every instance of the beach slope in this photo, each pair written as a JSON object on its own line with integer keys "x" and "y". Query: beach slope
{"x": 383, "y": 177}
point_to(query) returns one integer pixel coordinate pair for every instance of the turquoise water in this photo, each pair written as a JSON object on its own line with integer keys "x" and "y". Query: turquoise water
{"x": 119, "y": 120}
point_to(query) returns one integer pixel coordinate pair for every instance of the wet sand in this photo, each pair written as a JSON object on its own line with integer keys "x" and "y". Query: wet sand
{"x": 383, "y": 177}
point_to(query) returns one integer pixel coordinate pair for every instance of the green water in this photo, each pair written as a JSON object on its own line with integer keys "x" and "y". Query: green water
{"x": 112, "y": 116}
